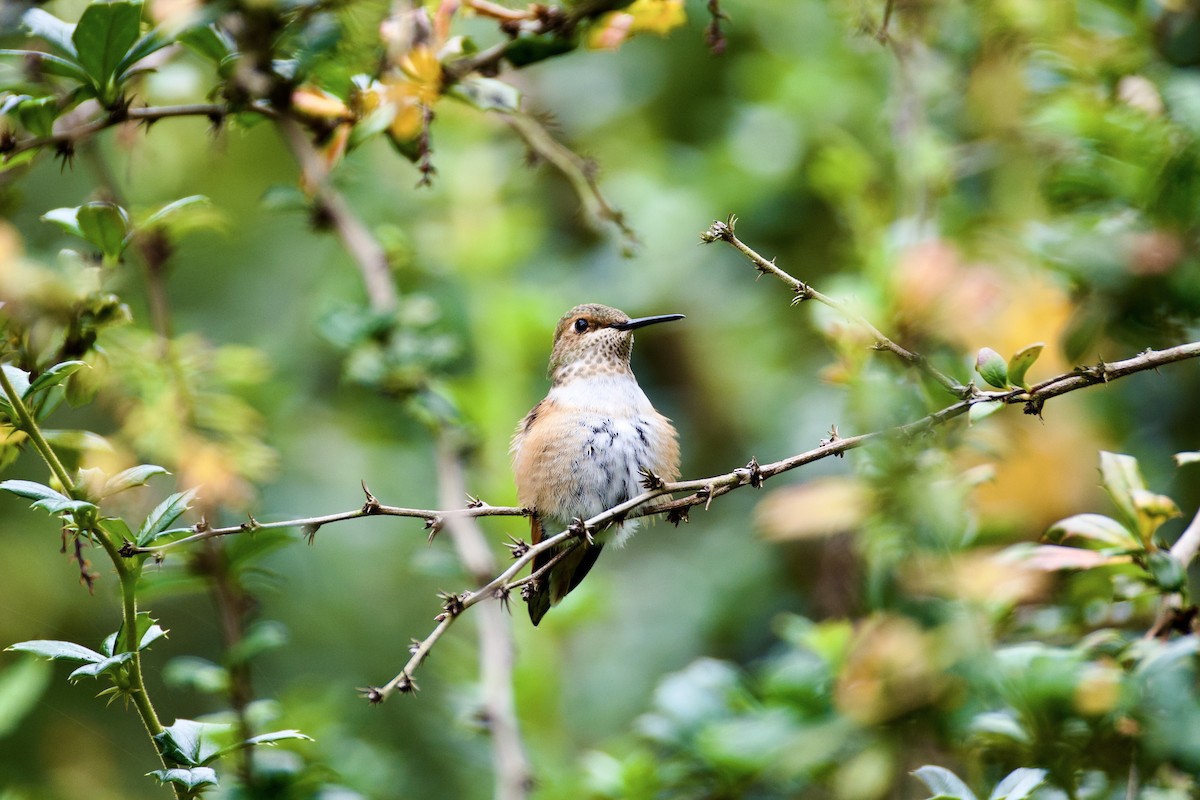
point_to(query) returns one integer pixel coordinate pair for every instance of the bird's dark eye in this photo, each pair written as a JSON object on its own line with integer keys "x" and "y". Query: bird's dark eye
{"x": 581, "y": 325}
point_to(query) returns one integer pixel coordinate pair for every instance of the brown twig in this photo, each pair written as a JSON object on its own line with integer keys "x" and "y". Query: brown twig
{"x": 578, "y": 171}
{"x": 371, "y": 508}
{"x": 367, "y": 253}
{"x": 724, "y": 231}
{"x": 148, "y": 114}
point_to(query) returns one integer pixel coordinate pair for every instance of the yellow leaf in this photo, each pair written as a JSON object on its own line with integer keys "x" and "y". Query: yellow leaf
{"x": 656, "y": 16}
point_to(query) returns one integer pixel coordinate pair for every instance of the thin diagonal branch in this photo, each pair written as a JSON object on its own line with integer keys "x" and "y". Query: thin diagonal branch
{"x": 704, "y": 490}
{"x": 724, "y": 231}
{"x": 367, "y": 253}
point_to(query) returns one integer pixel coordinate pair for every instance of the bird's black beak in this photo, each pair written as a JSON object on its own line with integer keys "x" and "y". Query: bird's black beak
{"x": 643, "y": 321}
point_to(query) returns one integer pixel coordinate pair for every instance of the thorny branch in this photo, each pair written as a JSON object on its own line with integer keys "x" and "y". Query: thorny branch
{"x": 724, "y": 231}
{"x": 697, "y": 492}
{"x": 704, "y": 490}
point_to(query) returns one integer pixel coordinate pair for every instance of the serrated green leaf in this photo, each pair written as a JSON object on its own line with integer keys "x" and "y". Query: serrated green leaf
{"x": 148, "y": 632}
{"x": 104, "y": 34}
{"x": 117, "y": 529}
{"x": 192, "y": 743}
{"x": 991, "y": 367}
{"x": 1096, "y": 528}
{"x": 100, "y": 667}
{"x": 1018, "y": 784}
{"x": 487, "y": 94}
{"x": 191, "y": 779}
{"x": 65, "y": 218}
{"x": 182, "y": 204}
{"x": 50, "y": 29}
{"x": 106, "y": 226}
{"x": 1120, "y": 477}
{"x": 127, "y": 479}
{"x": 162, "y": 517}
{"x": 57, "y": 651}
{"x": 943, "y": 783}
{"x": 1020, "y": 363}
{"x": 31, "y": 490}
{"x": 54, "y": 376}
{"x": 63, "y": 506}
{"x": 981, "y": 411}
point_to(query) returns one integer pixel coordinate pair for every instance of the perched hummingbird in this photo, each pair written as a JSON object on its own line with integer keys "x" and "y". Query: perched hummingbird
{"x": 580, "y": 450}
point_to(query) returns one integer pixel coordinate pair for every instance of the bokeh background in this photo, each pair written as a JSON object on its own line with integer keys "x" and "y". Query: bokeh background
{"x": 999, "y": 173}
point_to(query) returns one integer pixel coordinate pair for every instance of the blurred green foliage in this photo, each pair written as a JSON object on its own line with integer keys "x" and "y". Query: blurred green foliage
{"x": 975, "y": 179}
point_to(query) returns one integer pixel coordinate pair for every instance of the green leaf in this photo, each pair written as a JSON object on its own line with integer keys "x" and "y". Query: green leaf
{"x": 943, "y": 783}
{"x": 148, "y": 632}
{"x": 197, "y": 674}
{"x": 106, "y": 226}
{"x": 100, "y": 667}
{"x": 164, "y": 515}
{"x": 1168, "y": 572}
{"x": 151, "y": 42}
{"x": 1018, "y": 784}
{"x": 21, "y": 687}
{"x": 65, "y": 218}
{"x": 127, "y": 479}
{"x": 31, "y": 490}
{"x": 275, "y": 736}
{"x": 488, "y": 94}
{"x": 37, "y": 115}
{"x": 1121, "y": 477}
{"x": 77, "y": 440}
{"x": 105, "y": 33}
{"x": 190, "y": 779}
{"x": 262, "y": 636}
{"x": 981, "y": 411}
{"x": 192, "y": 743}
{"x": 58, "y": 651}
{"x": 1019, "y": 364}
{"x": 991, "y": 367}
{"x": 44, "y": 497}
{"x": 207, "y": 41}
{"x": 54, "y": 376}
{"x": 50, "y": 29}
{"x": 1096, "y": 528}
{"x": 158, "y": 217}
{"x": 51, "y": 64}
{"x": 19, "y": 379}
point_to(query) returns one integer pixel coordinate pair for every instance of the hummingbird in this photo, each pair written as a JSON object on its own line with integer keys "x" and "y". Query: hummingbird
{"x": 583, "y": 448}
